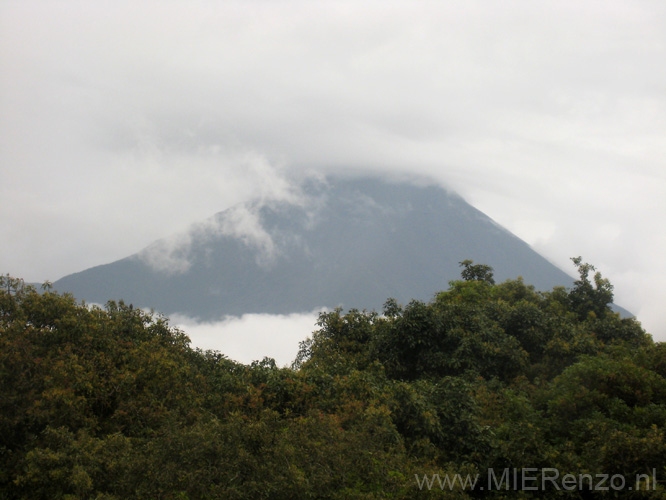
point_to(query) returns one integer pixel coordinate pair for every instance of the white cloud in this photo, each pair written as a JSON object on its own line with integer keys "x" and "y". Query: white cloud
{"x": 169, "y": 255}
{"x": 252, "y": 336}
{"x": 245, "y": 224}
{"x": 124, "y": 123}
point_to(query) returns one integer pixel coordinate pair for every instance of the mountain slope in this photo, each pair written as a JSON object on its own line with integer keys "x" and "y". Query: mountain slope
{"x": 345, "y": 242}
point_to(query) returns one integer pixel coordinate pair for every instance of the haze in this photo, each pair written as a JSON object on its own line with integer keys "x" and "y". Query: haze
{"x": 124, "y": 122}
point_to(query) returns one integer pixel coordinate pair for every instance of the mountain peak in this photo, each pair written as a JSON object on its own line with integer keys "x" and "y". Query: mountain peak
{"x": 333, "y": 242}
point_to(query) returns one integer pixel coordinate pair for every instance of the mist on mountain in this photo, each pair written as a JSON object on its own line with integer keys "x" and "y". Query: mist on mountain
{"x": 348, "y": 242}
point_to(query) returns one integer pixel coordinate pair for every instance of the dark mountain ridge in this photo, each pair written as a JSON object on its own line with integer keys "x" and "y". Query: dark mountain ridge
{"x": 347, "y": 242}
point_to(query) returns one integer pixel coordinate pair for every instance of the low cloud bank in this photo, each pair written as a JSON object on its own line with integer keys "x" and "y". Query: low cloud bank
{"x": 252, "y": 336}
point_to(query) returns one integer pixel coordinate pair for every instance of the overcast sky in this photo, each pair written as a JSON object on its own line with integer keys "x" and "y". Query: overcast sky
{"x": 122, "y": 122}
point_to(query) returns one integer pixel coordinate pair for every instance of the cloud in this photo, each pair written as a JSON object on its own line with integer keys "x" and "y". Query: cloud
{"x": 172, "y": 255}
{"x": 124, "y": 123}
{"x": 252, "y": 336}
{"x": 169, "y": 255}
{"x": 245, "y": 224}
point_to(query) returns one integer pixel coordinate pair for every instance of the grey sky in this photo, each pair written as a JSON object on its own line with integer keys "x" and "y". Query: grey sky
{"x": 122, "y": 122}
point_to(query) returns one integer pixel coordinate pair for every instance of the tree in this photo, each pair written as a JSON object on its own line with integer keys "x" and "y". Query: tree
{"x": 113, "y": 403}
{"x": 586, "y": 298}
{"x": 476, "y": 272}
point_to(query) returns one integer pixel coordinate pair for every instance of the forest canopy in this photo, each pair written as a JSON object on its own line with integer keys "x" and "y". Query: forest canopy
{"x": 114, "y": 403}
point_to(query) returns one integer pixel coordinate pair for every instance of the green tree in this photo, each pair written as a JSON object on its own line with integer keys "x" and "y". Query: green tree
{"x": 476, "y": 272}
{"x": 114, "y": 403}
{"x": 590, "y": 296}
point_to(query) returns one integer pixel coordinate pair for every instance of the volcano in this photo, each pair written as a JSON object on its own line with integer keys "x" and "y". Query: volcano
{"x": 351, "y": 243}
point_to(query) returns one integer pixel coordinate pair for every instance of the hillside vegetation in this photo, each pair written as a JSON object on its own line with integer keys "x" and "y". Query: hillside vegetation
{"x": 114, "y": 403}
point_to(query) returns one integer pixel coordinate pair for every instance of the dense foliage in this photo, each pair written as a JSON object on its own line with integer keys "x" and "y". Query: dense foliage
{"x": 114, "y": 403}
